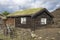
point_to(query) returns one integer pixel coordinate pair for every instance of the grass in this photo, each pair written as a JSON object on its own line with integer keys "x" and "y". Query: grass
{"x": 4, "y": 37}
{"x": 26, "y": 12}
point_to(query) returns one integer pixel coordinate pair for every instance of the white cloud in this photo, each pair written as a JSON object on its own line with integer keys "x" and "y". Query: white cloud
{"x": 20, "y": 2}
{"x": 4, "y": 2}
{"x": 23, "y": 4}
{"x": 49, "y": 4}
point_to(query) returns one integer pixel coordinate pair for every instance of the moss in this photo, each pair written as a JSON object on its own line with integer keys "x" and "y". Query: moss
{"x": 26, "y": 12}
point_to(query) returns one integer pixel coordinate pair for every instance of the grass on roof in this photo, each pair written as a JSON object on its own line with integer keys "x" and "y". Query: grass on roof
{"x": 26, "y": 12}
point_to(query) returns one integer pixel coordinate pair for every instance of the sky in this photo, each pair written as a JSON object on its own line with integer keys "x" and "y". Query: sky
{"x": 15, "y": 5}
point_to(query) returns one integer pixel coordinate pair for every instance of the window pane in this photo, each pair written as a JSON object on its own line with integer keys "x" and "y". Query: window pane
{"x": 43, "y": 20}
{"x": 23, "y": 20}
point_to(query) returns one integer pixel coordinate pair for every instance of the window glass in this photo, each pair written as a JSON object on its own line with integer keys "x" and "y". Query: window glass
{"x": 23, "y": 20}
{"x": 43, "y": 20}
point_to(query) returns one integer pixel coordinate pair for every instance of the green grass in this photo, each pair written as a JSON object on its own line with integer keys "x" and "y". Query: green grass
{"x": 26, "y": 12}
{"x": 4, "y": 37}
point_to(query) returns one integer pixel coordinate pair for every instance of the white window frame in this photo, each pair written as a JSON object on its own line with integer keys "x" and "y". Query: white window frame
{"x": 43, "y": 21}
{"x": 23, "y": 20}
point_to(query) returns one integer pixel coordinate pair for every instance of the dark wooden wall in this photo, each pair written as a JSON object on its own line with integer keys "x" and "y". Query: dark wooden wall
{"x": 33, "y": 22}
{"x": 37, "y": 21}
{"x": 18, "y": 22}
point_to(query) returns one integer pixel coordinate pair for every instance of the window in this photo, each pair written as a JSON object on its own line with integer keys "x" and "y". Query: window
{"x": 43, "y": 20}
{"x": 23, "y": 20}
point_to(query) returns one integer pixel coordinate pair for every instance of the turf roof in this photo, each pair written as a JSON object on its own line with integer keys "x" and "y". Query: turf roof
{"x": 26, "y": 12}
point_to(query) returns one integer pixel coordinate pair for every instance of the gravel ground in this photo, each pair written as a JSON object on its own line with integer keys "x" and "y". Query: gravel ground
{"x": 48, "y": 34}
{"x": 39, "y": 34}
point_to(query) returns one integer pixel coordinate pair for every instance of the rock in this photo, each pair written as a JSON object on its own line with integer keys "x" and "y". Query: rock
{"x": 39, "y": 37}
{"x": 59, "y": 32}
{"x": 46, "y": 39}
{"x": 53, "y": 38}
{"x": 33, "y": 35}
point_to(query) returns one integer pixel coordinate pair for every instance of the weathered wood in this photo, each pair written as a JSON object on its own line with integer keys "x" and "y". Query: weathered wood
{"x": 32, "y": 23}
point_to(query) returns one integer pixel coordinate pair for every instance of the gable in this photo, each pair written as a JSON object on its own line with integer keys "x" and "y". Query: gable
{"x": 44, "y": 13}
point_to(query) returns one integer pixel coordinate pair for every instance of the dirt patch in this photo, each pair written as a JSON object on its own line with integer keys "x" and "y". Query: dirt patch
{"x": 48, "y": 34}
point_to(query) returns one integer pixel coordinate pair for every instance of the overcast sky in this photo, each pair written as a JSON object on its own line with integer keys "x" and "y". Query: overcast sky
{"x": 14, "y": 5}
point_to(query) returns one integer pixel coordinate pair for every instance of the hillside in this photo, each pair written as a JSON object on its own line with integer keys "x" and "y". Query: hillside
{"x": 56, "y": 19}
{"x": 56, "y": 13}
